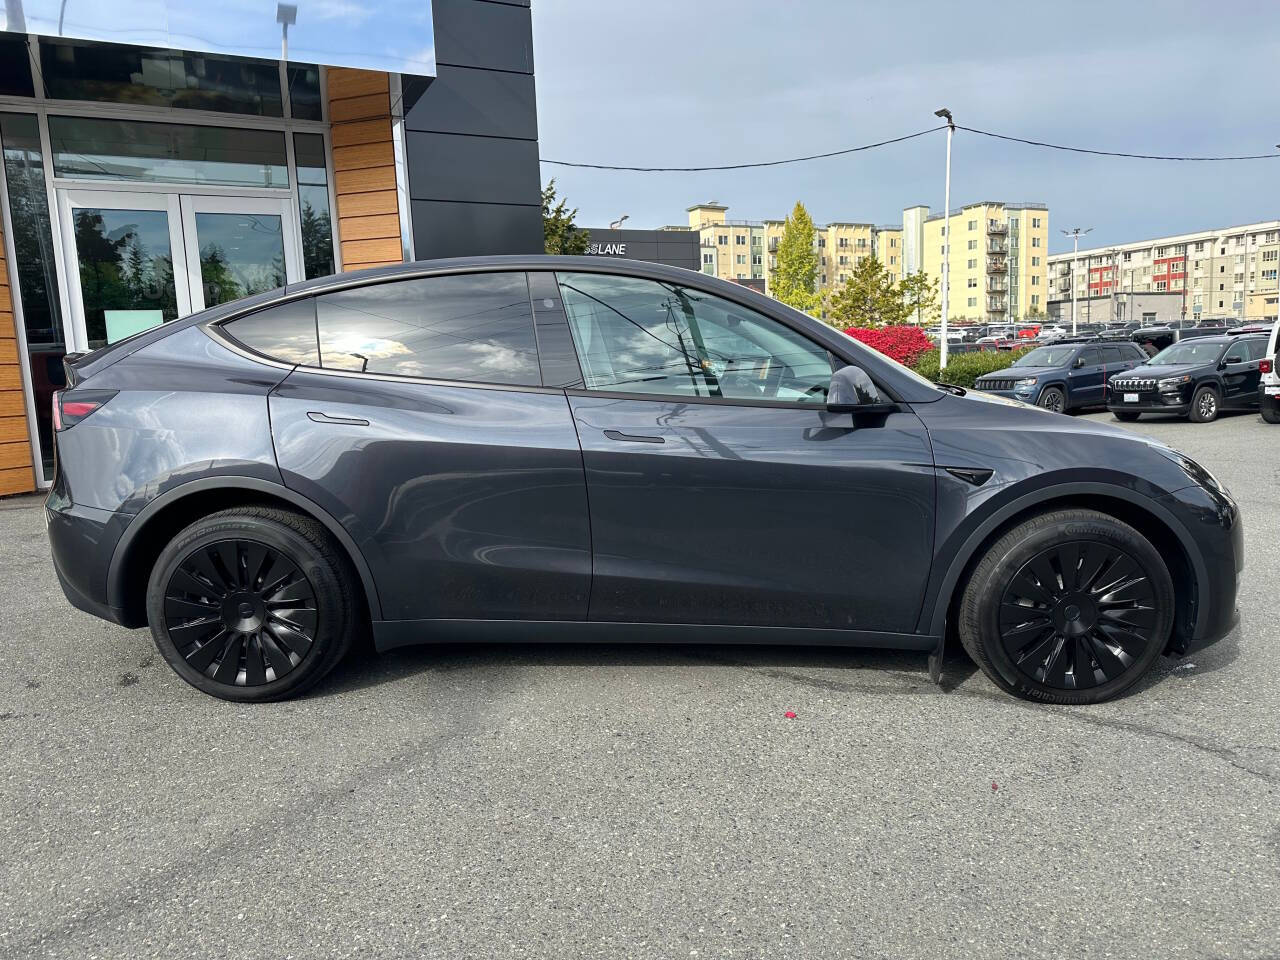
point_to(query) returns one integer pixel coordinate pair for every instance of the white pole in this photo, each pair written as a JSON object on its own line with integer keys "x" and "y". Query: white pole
{"x": 946, "y": 250}
{"x": 1075, "y": 253}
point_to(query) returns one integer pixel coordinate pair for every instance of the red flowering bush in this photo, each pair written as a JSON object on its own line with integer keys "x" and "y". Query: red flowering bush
{"x": 903, "y": 343}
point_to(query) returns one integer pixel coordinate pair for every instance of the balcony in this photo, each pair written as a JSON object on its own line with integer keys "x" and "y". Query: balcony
{"x": 996, "y": 265}
{"x": 997, "y": 246}
{"x": 996, "y": 304}
{"x": 997, "y": 284}
{"x": 996, "y": 228}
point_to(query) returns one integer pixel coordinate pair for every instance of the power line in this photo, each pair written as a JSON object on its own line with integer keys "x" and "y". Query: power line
{"x": 1116, "y": 153}
{"x": 744, "y": 166}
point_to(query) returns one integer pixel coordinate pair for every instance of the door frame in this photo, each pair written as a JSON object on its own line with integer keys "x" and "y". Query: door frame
{"x": 192, "y": 204}
{"x": 69, "y": 200}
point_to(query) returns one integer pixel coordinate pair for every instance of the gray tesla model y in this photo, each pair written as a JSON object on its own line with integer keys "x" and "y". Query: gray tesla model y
{"x": 558, "y": 448}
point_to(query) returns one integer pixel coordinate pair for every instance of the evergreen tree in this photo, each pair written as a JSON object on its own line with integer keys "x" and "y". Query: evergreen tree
{"x": 559, "y": 234}
{"x": 868, "y": 298}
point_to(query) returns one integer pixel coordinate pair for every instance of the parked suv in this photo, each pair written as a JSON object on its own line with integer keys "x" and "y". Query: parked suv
{"x": 1063, "y": 376}
{"x": 565, "y": 448}
{"x": 1193, "y": 378}
{"x": 1269, "y": 387}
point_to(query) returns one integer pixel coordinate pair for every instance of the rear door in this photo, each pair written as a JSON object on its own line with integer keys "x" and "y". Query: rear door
{"x": 721, "y": 490}
{"x": 424, "y": 427}
{"x": 1085, "y": 378}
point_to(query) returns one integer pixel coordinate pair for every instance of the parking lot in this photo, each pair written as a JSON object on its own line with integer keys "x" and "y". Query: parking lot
{"x": 618, "y": 801}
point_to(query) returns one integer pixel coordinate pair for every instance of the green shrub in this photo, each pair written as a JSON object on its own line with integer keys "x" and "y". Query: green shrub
{"x": 964, "y": 368}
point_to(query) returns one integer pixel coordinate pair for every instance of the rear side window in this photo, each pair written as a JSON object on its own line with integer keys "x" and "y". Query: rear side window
{"x": 286, "y": 332}
{"x": 472, "y": 327}
{"x": 1257, "y": 348}
{"x": 1113, "y": 354}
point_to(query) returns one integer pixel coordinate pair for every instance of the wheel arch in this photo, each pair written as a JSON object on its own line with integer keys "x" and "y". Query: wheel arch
{"x": 1147, "y": 516}
{"x": 1059, "y": 384}
{"x": 163, "y": 516}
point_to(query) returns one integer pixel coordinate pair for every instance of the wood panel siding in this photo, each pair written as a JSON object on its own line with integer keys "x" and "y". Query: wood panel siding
{"x": 364, "y": 168}
{"x": 16, "y": 472}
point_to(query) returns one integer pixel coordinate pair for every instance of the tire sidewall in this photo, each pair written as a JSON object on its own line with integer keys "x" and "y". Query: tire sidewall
{"x": 319, "y": 571}
{"x": 1099, "y": 530}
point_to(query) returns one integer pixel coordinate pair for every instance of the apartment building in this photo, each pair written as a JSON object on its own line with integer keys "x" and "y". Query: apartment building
{"x": 1227, "y": 273}
{"x": 998, "y": 262}
{"x": 745, "y": 250}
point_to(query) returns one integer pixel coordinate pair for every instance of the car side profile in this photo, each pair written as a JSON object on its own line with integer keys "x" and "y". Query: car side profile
{"x": 1269, "y": 377}
{"x": 562, "y": 449}
{"x": 1063, "y": 376}
{"x": 1196, "y": 378}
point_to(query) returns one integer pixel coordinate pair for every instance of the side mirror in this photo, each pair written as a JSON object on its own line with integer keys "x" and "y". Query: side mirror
{"x": 852, "y": 391}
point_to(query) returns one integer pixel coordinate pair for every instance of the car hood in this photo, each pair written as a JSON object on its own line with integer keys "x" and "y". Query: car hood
{"x": 1156, "y": 372}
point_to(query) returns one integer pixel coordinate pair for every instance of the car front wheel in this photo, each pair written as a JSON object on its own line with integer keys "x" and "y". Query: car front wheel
{"x": 1052, "y": 398}
{"x": 1070, "y": 607}
{"x": 1204, "y": 405}
{"x": 252, "y": 603}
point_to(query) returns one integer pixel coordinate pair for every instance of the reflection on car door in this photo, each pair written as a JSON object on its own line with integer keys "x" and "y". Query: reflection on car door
{"x": 720, "y": 489}
{"x": 1084, "y": 381}
{"x": 468, "y": 501}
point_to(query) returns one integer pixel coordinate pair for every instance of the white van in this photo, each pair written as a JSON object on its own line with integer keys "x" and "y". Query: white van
{"x": 1269, "y": 388}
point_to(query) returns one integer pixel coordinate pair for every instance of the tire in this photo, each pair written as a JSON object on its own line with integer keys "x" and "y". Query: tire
{"x": 1205, "y": 405}
{"x": 1125, "y": 416}
{"x": 252, "y": 604}
{"x": 1270, "y": 414}
{"x": 1042, "y": 634}
{"x": 1052, "y": 398}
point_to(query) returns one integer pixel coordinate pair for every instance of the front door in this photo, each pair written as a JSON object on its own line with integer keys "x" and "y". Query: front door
{"x": 720, "y": 489}
{"x": 140, "y": 258}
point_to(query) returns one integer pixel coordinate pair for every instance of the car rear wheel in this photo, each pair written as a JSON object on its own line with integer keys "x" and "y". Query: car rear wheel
{"x": 1069, "y": 607}
{"x": 1204, "y": 405}
{"x": 252, "y": 603}
{"x": 1271, "y": 414}
{"x": 1125, "y": 416}
{"x": 1052, "y": 398}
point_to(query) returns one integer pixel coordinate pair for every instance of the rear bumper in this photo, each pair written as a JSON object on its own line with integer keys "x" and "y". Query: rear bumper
{"x": 1270, "y": 403}
{"x": 82, "y": 541}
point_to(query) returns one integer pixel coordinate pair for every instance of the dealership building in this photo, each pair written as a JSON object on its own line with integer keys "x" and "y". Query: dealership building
{"x": 231, "y": 148}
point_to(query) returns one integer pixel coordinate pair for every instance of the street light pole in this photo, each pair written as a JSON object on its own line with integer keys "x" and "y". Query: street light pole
{"x": 1075, "y": 236}
{"x": 946, "y": 241}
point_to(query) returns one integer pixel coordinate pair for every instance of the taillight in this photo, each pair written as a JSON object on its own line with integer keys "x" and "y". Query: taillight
{"x": 1265, "y": 366}
{"x": 68, "y": 411}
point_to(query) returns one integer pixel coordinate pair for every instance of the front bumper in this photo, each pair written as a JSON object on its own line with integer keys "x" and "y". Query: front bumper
{"x": 1028, "y": 395}
{"x": 1212, "y": 519}
{"x": 1175, "y": 403}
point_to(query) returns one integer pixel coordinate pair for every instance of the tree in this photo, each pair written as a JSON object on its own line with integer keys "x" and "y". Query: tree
{"x": 558, "y": 232}
{"x": 869, "y": 298}
{"x": 920, "y": 294}
{"x": 795, "y": 278}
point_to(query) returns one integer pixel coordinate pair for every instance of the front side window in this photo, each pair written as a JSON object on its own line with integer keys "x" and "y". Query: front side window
{"x": 472, "y": 327}
{"x": 647, "y": 336}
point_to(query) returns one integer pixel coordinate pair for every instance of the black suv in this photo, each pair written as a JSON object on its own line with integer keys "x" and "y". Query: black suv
{"x": 1193, "y": 378}
{"x": 1063, "y": 376}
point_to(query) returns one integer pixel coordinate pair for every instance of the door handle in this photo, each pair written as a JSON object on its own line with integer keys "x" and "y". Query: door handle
{"x": 632, "y": 437}
{"x": 319, "y": 417}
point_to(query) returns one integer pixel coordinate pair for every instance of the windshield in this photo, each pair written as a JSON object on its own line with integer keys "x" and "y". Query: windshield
{"x": 1045, "y": 357}
{"x": 1188, "y": 351}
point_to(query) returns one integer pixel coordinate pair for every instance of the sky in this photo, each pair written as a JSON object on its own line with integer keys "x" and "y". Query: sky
{"x": 705, "y": 82}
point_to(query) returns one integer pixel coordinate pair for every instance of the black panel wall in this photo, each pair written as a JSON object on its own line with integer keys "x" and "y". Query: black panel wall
{"x": 675, "y": 248}
{"x": 471, "y": 134}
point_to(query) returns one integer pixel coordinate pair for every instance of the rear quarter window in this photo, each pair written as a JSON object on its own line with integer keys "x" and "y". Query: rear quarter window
{"x": 285, "y": 332}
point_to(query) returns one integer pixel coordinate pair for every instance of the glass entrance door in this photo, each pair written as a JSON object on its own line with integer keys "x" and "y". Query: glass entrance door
{"x": 137, "y": 259}
{"x": 123, "y": 275}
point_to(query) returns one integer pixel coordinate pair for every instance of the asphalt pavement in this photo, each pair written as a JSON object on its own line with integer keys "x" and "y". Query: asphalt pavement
{"x": 640, "y": 802}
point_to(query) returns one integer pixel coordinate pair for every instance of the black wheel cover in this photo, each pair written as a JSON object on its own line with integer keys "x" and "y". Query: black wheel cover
{"x": 1078, "y": 615}
{"x": 240, "y": 612}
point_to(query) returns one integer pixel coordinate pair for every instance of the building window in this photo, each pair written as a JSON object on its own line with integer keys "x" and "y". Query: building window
{"x": 740, "y": 239}
{"x": 708, "y": 258}
{"x": 862, "y": 243}
{"x": 1035, "y": 281}
{"x": 893, "y": 260}
{"x": 1269, "y": 274}
{"x": 313, "y": 202}
{"x": 973, "y": 281}
{"x": 973, "y": 244}
{"x": 740, "y": 258}
{"x": 973, "y": 264}
{"x": 1035, "y": 299}
{"x": 756, "y": 259}
{"x": 1035, "y": 222}
{"x": 1035, "y": 241}
{"x": 973, "y": 225}
{"x": 722, "y": 239}
{"x": 843, "y": 242}
{"x": 1035, "y": 261}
